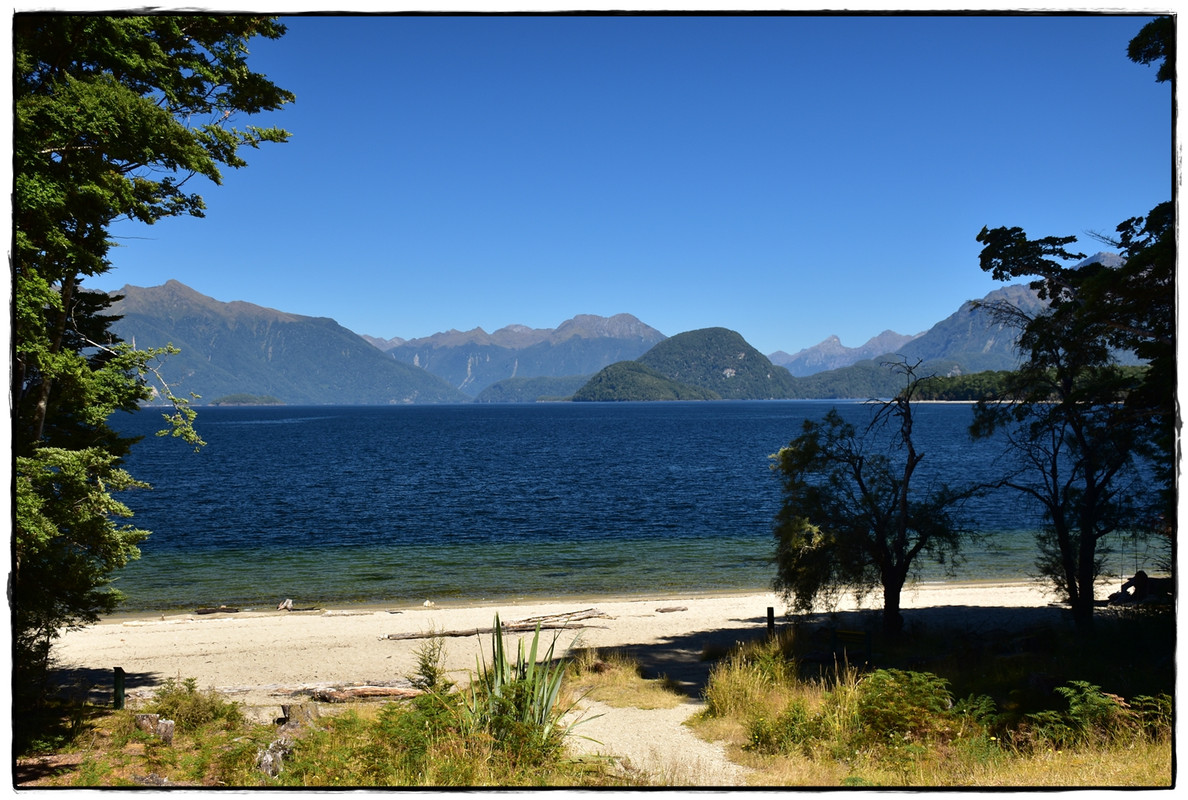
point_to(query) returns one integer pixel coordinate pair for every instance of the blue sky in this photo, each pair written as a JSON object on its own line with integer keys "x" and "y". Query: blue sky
{"x": 786, "y": 177}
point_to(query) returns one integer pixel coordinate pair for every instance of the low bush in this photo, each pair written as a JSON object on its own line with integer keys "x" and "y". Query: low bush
{"x": 191, "y": 709}
{"x": 1094, "y": 717}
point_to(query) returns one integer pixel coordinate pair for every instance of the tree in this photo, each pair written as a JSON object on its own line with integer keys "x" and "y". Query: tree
{"x": 112, "y": 117}
{"x": 851, "y": 518}
{"x": 1061, "y": 415}
{"x": 1087, "y": 432}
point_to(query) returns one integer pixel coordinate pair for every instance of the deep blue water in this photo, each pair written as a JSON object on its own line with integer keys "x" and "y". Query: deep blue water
{"x": 483, "y": 502}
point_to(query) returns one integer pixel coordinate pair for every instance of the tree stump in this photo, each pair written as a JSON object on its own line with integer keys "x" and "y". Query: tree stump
{"x": 165, "y": 731}
{"x": 147, "y": 722}
{"x": 294, "y": 716}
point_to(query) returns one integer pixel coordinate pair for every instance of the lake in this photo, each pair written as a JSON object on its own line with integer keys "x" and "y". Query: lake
{"x": 394, "y": 505}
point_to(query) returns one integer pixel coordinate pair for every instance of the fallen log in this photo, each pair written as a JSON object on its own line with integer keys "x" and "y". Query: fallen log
{"x": 361, "y": 693}
{"x": 546, "y": 622}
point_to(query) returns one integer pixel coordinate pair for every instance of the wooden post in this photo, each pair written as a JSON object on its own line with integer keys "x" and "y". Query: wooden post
{"x": 770, "y": 622}
{"x": 119, "y": 688}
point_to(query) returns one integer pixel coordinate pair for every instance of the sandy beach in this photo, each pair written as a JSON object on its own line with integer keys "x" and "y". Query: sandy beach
{"x": 263, "y": 658}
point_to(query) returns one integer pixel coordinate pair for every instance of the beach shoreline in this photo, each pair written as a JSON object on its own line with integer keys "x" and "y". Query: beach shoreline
{"x": 266, "y": 657}
{"x": 552, "y": 597}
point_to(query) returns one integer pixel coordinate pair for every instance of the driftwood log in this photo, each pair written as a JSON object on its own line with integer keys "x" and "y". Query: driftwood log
{"x": 362, "y": 693}
{"x": 570, "y": 619}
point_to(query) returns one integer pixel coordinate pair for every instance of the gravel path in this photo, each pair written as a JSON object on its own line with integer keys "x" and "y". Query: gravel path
{"x": 656, "y": 742}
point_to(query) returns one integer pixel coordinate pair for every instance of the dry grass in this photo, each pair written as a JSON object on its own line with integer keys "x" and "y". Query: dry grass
{"x": 613, "y": 677}
{"x": 750, "y": 694}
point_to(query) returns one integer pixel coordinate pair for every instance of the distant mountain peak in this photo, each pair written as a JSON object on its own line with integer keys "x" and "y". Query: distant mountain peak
{"x": 832, "y": 354}
{"x": 241, "y": 348}
{"x": 1104, "y": 258}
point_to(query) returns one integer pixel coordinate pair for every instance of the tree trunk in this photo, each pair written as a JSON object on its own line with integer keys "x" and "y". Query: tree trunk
{"x": 41, "y": 410}
{"x": 892, "y": 618}
{"x": 1082, "y": 604}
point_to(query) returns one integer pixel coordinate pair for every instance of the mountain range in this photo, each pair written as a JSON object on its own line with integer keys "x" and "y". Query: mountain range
{"x": 237, "y": 348}
{"x": 473, "y": 360}
{"x": 832, "y": 354}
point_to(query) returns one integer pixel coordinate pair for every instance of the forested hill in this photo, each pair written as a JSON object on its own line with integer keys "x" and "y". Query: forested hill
{"x": 706, "y": 364}
{"x": 633, "y": 381}
{"x": 240, "y": 348}
{"x": 720, "y": 360}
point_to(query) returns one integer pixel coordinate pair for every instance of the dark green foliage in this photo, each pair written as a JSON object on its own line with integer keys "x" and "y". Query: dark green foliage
{"x": 516, "y": 701}
{"x": 792, "y": 729}
{"x": 431, "y": 674}
{"x": 993, "y": 385}
{"x": 1077, "y": 421}
{"x": 893, "y": 712}
{"x": 863, "y": 381}
{"x": 897, "y": 705}
{"x": 1156, "y": 42}
{"x": 850, "y": 518}
{"x": 112, "y": 115}
{"x": 1094, "y": 717}
{"x": 631, "y": 380}
{"x": 978, "y": 386}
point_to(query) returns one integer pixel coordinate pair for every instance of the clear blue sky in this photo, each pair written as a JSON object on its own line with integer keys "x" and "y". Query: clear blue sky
{"x": 786, "y": 177}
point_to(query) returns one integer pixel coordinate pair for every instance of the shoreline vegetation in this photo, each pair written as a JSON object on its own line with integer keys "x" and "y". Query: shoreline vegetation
{"x": 687, "y": 689}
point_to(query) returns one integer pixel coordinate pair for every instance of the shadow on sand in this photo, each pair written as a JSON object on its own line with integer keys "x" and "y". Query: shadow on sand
{"x": 97, "y": 686}
{"x": 687, "y": 660}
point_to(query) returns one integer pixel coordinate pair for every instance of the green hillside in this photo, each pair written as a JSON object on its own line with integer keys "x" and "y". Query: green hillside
{"x": 530, "y": 390}
{"x": 631, "y": 380}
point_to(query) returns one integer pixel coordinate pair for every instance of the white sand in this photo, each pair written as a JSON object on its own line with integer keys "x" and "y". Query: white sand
{"x": 261, "y": 657}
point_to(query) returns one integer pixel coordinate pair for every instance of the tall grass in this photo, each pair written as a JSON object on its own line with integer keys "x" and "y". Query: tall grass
{"x": 906, "y": 727}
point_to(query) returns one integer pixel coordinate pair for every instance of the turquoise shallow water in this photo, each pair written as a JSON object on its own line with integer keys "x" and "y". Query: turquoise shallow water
{"x": 395, "y": 505}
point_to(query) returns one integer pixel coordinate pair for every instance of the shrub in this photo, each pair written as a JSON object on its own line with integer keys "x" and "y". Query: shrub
{"x": 912, "y": 706}
{"x": 1154, "y": 715}
{"x": 431, "y": 673}
{"x": 191, "y": 709}
{"x": 736, "y": 686}
{"x": 793, "y": 728}
{"x": 1094, "y": 716}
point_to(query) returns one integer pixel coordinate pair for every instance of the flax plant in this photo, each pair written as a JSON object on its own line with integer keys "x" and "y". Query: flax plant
{"x": 517, "y": 698}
